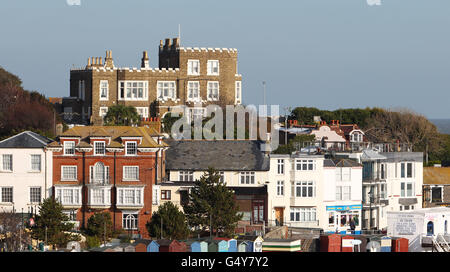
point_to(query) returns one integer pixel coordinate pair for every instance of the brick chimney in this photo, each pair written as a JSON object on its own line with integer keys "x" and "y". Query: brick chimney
{"x": 145, "y": 60}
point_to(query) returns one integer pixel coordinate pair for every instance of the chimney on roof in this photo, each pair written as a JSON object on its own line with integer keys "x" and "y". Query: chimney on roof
{"x": 109, "y": 60}
{"x": 145, "y": 60}
{"x": 176, "y": 42}
{"x": 168, "y": 43}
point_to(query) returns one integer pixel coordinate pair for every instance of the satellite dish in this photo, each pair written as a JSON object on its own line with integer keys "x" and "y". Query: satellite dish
{"x": 373, "y": 246}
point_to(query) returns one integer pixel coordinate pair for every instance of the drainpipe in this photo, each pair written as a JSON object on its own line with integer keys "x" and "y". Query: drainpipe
{"x": 45, "y": 178}
{"x": 115, "y": 194}
{"x": 83, "y": 193}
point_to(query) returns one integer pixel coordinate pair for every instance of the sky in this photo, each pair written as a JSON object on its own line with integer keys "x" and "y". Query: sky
{"x": 328, "y": 54}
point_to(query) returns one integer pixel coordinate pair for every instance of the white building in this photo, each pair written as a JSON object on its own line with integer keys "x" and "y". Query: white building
{"x": 392, "y": 181}
{"x": 422, "y": 227}
{"x": 25, "y": 172}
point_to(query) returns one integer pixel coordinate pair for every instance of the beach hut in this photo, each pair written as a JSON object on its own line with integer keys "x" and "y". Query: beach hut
{"x": 330, "y": 243}
{"x": 242, "y": 246}
{"x": 373, "y": 246}
{"x": 166, "y": 245}
{"x": 232, "y": 245}
{"x": 386, "y": 243}
{"x": 254, "y": 242}
{"x": 399, "y": 244}
{"x": 362, "y": 246}
{"x": 130, "y": 248}
{"x": 153, "y": 246}
{"x": 198, "y": 246}
{"x": 287, "y": 245}
{"x": 142, "y": 245}
{"x": 347, "y": 244}
{"x": 222, "y": 246}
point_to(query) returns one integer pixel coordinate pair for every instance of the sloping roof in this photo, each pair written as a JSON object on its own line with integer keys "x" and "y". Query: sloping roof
{"x": 115, "y": 133}
{"x": 371, "y": 155}
{"x": 239, "y": 155}
{"x": 436, "y": 175}
{"x": 26, "y": 139}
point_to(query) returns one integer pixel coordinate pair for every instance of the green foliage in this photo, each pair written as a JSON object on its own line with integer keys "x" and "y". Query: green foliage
{"x": 168, "y": 121}
{"x": 443, "y": 155}
{"x": 93, "y": 241}
{"x": 100, "y": 225}
{"x": 8, "y": 78}
{"x": 52, "y": 224}
{"x": 294, "y": 144}
{"x": 211, "y": 202}
{"x": 120, "y": 115}
{"x": 305, "y": 115}
{"x": 174, "y": 225}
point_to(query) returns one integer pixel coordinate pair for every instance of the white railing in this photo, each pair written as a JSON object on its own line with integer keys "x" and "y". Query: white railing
{"x": 440, "y": 239}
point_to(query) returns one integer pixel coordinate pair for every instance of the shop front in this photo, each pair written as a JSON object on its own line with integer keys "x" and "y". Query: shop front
{"x": 344, "y": 219}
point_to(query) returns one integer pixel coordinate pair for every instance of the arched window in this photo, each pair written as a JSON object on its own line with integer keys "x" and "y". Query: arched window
{"x": 99, "y": 173}
{"x": 430, "y": 228}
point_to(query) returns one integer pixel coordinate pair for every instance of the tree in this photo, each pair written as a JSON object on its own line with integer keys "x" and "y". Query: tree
{"x": 120, "y": 115}
{"x": 11, "y": 231}
{"x": 51, "y": 224}
{"x": 167, "y": 121}
{"x": 212, "y": 203}
{"x": 170, "y": 220}
{"x": 100, "y": 226}
{"x": 404, "y": 126}
{"x": 8, "y": 78}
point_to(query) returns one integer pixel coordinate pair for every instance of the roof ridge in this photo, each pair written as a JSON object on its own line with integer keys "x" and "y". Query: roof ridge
{"x": 28, "y": 133}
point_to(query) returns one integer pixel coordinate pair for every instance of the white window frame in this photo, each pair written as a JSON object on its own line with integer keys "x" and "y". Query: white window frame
{"x": 299, "y": 187}
{"x": 93, "y": 174}
{"x": 34, "y": 163}
{"x": 211, "y": 66}
{"x": 210, "y": 95}
{"x": 124, "y": 176}
{"x": 103, "y": 199}
{"x": 104, "y": 87}
{"x": 127, "y": 217}
{"x": 126, "y": 148}
{"x": 193, "y": 92}
{"x": 33, "y": 195}
{"x": 280, "y": 166}
{"x": 186, "y": 176}
{"x": 66, "y": 148}
{"x": 75, "y": 195}
{"x": 103, "y": 111}
{"x": 303, "y": 214}
{"x": 162, "y": 86}
{"x": 193, "y": 67}
{"x": 124, "y": 85}
{"x": 305, "y": 165}
{"x": 1, "y": 194}
{"x": 138, "y": 196}
{"x": 280, "y": 188}
{"x": 142, "y": 112}
{"x": 238, "y": 92}
{"x": 10, "y": 166}
{"x": 247, "y": 177}
{"x": 404, "y": 188}
{"x": 95, "y": 148}
{"x": 63, "y": 178}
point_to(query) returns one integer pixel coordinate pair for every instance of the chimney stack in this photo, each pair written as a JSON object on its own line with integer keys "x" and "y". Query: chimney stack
{"x": 145, "y": 60}
{"x": 108, "y": 60}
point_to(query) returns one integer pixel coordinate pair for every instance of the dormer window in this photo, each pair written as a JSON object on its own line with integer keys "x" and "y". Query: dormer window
{"x": 99, "y": 148}
{"x": 131, "y": 148}
{"x": 69, "y": 147}
{"x": 356, "y": 137}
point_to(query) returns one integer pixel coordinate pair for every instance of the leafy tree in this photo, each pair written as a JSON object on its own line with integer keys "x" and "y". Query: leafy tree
{"x": 51, "y": 224}
{"x": 174, "y": 225}
{"x": 211, "y": 202}
{"x": 8, "y": 78}
{"x": 120, "y": 115}
{"x": 167, "y": 122}
{"x": 11, "y": 231}
{"x": 100, "y": 225}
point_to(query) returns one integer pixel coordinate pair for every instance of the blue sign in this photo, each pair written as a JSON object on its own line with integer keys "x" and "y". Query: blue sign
{"x": 344, "y": 207}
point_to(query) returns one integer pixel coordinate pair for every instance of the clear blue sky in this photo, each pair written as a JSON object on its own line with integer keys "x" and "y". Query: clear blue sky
{"x": 321, "y": 53}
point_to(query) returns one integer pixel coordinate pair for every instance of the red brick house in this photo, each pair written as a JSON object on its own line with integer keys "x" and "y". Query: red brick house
{"x": 113, "y": 169}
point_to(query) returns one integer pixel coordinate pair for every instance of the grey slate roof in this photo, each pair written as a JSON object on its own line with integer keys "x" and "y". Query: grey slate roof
{"x": 26, "y": 139}
{"x": 239, "y": 155}
{"x": 403, "y": 156}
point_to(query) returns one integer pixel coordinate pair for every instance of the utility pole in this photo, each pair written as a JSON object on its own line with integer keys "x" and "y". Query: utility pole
{"x": 210, "y": 226}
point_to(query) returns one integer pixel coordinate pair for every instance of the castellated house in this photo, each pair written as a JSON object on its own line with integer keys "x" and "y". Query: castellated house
{"x": 186, "y": 81}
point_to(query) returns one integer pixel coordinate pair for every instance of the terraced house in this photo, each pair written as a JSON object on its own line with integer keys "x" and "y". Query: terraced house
{"x": 113, "y": 169}
{"x": 186, "y": 80}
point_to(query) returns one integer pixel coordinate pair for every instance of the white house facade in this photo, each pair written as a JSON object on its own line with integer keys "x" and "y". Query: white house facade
{"x": 25, "y": 172}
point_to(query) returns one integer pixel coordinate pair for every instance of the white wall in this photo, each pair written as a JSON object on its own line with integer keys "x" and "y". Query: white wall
{"x": 22, "y": 177}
